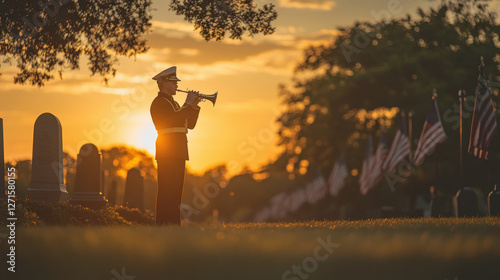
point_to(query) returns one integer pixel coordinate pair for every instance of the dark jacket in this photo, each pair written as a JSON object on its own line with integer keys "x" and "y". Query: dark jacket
{"x": 166, "y": 113}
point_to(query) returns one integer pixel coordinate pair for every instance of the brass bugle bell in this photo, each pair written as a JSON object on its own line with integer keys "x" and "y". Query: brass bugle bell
{"x": 212, "y": 98}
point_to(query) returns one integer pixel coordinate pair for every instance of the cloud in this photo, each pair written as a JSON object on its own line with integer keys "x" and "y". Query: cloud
{"x": 247, "y": 106}
{"x": 173, "y": 28}
{"x": 322, "y": 37}
{"x": 308, "y": 4}
{"x": 175, "y": 43}
{"x": 186, "y": 49}
{"x": 168, "y": 46}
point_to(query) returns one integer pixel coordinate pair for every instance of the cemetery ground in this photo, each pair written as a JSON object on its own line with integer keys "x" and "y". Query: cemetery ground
{"x": 131, "y": 248}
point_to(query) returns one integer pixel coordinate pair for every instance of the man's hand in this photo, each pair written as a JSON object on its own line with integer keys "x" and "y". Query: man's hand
{"x": 193, "y": 98}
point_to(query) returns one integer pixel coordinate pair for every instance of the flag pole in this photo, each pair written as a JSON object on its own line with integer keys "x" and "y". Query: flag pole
{"x": 461, "y": 95}
{"x": 410, "y": 134}
{"x": 410, "y": 157}
{"x": 434, "y": 97}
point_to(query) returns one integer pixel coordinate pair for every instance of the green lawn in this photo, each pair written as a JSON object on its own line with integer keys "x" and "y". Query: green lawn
{"x": 373, "y": 249}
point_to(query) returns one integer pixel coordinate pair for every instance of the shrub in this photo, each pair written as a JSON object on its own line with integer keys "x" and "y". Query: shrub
{"x": 33, "y": 213}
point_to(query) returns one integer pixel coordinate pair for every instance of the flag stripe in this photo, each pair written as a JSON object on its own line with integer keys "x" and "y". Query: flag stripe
{"x": 434, "y": 138}
{"x": 430, "y": 147}
{"x": 338, "y": 176}
{"x": 399, "y": 148}
{"x": 394, "y": 149}
{"x": 432, "y": 134}
{"x": 483, "y": 119}
{"x": 364, "y": 181}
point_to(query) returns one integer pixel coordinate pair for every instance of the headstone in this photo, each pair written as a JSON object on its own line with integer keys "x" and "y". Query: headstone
{"x": 134, "y": 189}
{"x": 494, "y": 202}
{"x": 112, "y": 192}
{"x": 47, "y": 179}
{"x": 437, "y": 205}
{"x": 2, "y": 161}
{"x": 88, "y": 183}
{"x": 466, "y": 203}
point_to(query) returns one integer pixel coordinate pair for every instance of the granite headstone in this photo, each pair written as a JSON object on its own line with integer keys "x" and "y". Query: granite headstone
{"x": 134, "y": 189}
{"x": 466, "y": 203}
{"x": 494, "y": 202}
{"x": 47, "y": 179}
{"x": 88, "y": 183}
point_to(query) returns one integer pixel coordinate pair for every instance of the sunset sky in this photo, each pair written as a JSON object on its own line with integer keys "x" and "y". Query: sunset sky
{"x": 239, "y": 130}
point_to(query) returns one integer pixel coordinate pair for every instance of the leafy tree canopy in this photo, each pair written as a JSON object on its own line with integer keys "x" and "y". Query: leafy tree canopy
{"x": 215, "y": 18}
{"x": 44, "y": 37}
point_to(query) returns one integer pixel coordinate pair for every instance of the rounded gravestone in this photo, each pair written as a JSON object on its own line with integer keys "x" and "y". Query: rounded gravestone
{"x": 134, "y": 189}
{"x": 466, "y": 203}
{"x": 47, "y": 179}
{"x": 494, "y": 202}
{"x": 88, "y": 188}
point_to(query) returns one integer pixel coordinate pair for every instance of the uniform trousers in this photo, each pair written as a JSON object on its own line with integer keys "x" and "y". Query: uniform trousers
{"x": 170, "y": 183}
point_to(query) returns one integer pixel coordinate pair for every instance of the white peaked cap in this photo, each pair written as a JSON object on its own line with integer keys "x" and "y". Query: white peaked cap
{"x": 168, "y": 74}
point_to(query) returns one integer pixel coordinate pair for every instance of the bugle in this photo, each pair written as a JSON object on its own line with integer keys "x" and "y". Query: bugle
{"x": 212, "y": 97}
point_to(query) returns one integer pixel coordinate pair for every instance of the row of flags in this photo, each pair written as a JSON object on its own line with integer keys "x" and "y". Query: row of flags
{"x": 482, "y": 130}
{"x": 284, "y": 202}
{"x": 375, "y": 165}
{"x": 383, "y": 160}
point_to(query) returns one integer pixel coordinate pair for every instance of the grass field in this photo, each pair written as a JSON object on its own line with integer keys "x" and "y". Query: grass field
{"x": 442, "y": 248}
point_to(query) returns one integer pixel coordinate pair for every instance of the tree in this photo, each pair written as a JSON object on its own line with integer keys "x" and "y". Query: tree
{"x": 118, "y": 160}
{"x": 44, "y": 37}
{"x": 372, "y": 70}
{"x": 214, "y": 18}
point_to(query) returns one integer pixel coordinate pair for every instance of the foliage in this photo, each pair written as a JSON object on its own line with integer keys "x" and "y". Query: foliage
{"x": 215, "y": 18}
{"x": 34, "y": 213}
{"x": 134, "y": 215}
{"x": 118, "y": 160}
{"x": 23, "y": 175}
{"x": 45, "y": 37}
{"x": 374, "y": 69}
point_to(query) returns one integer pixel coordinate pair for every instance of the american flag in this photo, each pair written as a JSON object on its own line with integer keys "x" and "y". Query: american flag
{"x": 399, "y": 148}
{"x": 263, "y": 215}
{"x": 432, "y": 134}
{"x": 365, "y": 181}
{"x": 484, "y": 124}
{"x": 277, "y": 208}
{"x": 298, "y": 198}
{"x": 337, "y": 178}
{"x": 380, "y": 156}
{"x": 316, "y": 190}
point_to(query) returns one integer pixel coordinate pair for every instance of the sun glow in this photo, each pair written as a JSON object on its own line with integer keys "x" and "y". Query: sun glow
{"x": 143, "y": 134}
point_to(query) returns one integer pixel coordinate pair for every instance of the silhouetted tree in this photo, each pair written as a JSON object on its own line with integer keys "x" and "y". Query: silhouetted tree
{"x": 23, "y": 175}
{"x": 372, "y": 68}
{"x": 118, "y": 160}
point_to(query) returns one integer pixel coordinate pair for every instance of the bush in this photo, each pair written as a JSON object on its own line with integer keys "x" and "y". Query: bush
{"x": 33, "y": 213}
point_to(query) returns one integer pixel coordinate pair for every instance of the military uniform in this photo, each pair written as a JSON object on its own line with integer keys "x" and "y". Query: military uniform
{"x": 172, "y": 122}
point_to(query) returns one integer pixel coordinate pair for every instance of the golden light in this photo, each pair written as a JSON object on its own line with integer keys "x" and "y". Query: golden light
{"x": 143, "y": 134}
